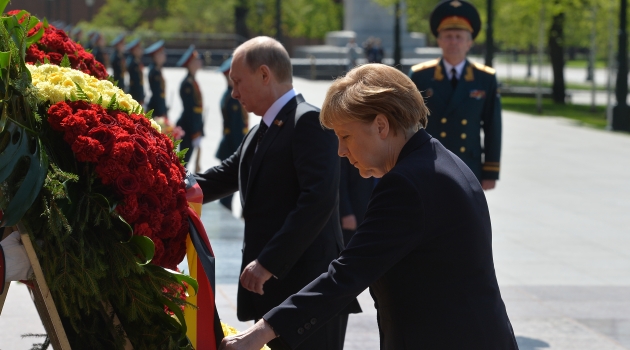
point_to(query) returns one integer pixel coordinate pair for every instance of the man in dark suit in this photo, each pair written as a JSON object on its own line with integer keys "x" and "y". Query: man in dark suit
{"x": 287, "y": 172}
{"x": 462, "y": 96}
{"x": 135, "y": 69}
{"x": 119, "y": 64}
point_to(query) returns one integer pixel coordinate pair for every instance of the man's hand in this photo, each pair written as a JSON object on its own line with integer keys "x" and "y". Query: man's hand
{"x": 349, "y": 222}
{"x": 254, "y": 276}
{"x": 252, "y": 339}
{"x": 488, "y": 184}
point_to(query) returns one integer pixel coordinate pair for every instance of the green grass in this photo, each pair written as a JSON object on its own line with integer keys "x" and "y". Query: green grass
{"x": 522, "y": 59}
{"x": 534, "y": 83}
{"x": 579, "y": 113}
{"x": 583, "y": 64}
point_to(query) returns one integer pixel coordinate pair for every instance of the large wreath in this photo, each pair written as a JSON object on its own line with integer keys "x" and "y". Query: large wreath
{"x": 100, "y": 190}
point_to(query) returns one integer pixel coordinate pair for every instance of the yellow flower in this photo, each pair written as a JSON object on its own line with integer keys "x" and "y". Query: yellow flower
{"x": 55, "y": 84}
{"x": 156, "y": 126}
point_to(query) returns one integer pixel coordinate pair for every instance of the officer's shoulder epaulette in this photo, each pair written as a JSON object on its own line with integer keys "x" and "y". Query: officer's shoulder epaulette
{"x": 484, "y": 68}
{"x": 424, "y": 65}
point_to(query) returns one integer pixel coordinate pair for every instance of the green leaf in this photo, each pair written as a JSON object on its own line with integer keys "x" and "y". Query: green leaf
{"x": 32, "y": 21}
{"x": 35, "y": 37}
{"x": 80, "y": 93}
{"x": 4, "y": 116}
{"x": 144, "y": 246}
{"x": 100, "y": 100}
{"x": 178, "y": 313}
{"x": 3, "y": 5}
{"x": 112, "y": 104}
{"x": 149, "y": 114}
{"x": 180, "y": 277}
{"x": 45, "y": 24}
{"x": 46, "y": 60}
{"x": 65, "y": 61}
{"x": 101, "y": 200}
{"x": 5, "y": 59}
{"x": 35, "y": 175}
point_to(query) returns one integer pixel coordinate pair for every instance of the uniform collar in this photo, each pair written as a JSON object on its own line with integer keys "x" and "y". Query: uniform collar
{"x": 458, "y": 68}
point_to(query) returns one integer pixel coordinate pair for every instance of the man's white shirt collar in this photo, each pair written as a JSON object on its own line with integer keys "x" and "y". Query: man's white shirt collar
{"x": 458, "y": 68}
{"x": 275, "y": 108}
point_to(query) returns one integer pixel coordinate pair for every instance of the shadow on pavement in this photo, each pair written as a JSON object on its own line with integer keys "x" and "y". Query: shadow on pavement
{"x": 525, "y": 343}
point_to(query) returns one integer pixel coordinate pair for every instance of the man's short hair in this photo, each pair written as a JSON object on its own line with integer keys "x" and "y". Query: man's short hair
{"x": 373, "y": 89}
{"x": 263, "y": 50}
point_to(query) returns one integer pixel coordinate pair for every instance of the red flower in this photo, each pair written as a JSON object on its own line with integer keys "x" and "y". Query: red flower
{"x": 142, "y": 229}
{"x": 105, "y": 136}
{"x": 145, "y": 175}
{"x": 57, "y": 113}
{"x": 108, "y": 169}
{"x": 87, "y": 149}
{"x": 127, "y": 184}
{"x": 129, "y": 209}
{"x": 138, "y": 164}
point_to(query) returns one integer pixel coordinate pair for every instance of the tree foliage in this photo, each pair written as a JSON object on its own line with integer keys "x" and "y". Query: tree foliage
{"x": 300, "y": 18}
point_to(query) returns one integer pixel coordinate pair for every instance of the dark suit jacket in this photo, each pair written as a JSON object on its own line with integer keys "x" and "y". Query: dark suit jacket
{"x": 290, "y": 203}
{"x": 425, "y": 251}
{"x": 458, "y": 116}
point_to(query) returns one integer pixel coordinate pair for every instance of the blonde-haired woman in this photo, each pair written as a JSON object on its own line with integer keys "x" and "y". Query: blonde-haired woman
{"x": 425, "y": 246}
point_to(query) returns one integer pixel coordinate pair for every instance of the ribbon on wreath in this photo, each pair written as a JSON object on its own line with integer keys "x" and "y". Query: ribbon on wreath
{"x": 204, "y": 326}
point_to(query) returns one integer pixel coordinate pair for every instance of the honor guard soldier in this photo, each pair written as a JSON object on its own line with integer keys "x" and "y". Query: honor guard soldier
{"x": 235, "y": 120}
{"x": 98, "y": 49}
{"x": 191, "y": 120}
{"x": 119, "y": 65}
{"x": 157, "y": 102}
{"x": 135, "y": 70}
{"x": 462, "y": 96}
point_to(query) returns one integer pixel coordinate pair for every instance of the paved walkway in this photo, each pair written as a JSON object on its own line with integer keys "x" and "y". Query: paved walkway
{"x": 561, "y": 223}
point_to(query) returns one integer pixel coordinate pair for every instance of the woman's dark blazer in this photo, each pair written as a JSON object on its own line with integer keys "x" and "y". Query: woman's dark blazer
{"x": 425, "y": 251}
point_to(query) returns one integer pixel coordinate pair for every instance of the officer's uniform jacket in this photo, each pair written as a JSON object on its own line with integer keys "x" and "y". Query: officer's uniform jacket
{"x": 234, "y": 128}
{"x": 456, "y": 117}
{"x": 119, "y": 65}
{"x": 191, "y": 120}
{"x": 99, "y": 55}
{"x": 157, "y": 103}
{"x": 136, "y": 79}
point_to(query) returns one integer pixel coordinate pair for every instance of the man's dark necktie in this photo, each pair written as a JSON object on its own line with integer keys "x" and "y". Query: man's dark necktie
{"x": 453, "y": 78}
{"x": 260, "y": 133}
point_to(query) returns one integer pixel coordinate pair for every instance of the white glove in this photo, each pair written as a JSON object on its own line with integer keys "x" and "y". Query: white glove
{"x": 196, "y": 142}
{"x": 18, "y": 267}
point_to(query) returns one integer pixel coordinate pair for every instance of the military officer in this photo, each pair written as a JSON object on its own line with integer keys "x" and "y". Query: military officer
{"x": 157, "y": 102}
{"x": 98, "y": 48}
{"x": 462, "y": 96}
{"x": 191, "y": 120}
{"x": 235, "y": 120}
{"x": 119, "y": 66}
{"x": 135, "y": 70}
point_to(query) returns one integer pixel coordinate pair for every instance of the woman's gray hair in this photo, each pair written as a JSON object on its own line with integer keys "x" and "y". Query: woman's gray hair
{"x": 267, "y": 51}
